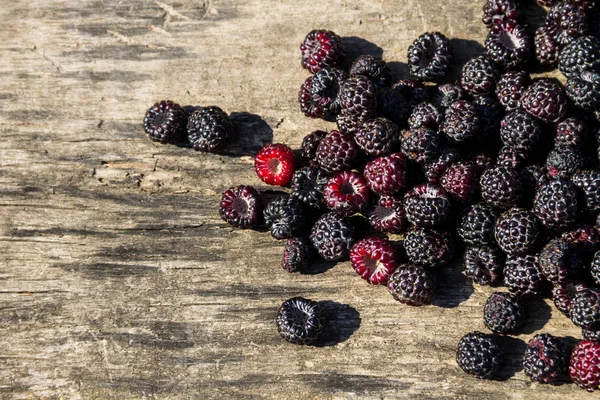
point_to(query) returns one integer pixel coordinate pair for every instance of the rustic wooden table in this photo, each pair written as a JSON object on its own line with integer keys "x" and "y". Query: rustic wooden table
{"x": 118, "y": 278}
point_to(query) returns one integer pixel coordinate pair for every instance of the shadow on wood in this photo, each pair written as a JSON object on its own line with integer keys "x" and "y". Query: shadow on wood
{"x": 342, "y": 321}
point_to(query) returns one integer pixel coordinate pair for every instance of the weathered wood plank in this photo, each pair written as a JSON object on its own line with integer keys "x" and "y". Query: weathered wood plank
{"x": 118, "y": 278}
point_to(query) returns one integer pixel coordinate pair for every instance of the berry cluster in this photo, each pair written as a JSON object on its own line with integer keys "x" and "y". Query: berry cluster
{"x": 206, "y": 129}
{"x": 499, "y": 160}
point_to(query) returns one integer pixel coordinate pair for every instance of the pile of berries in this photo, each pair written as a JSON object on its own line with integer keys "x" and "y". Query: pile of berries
{"x": 499, "y": 172}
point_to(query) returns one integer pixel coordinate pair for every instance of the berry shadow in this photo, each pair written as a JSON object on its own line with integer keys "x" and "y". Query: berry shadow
{"x": 342, "y": 321}
{"x": 463, "y": 50}
{"x": 318, "y": 266}
{"x": 399, "y": 70}
{"x": 513, "y": 357}
{"x": 538, "y": 314}
{"x": 453, "y": 288}
{"x": 253, "y": 133}
{"x": 355, "y": 47}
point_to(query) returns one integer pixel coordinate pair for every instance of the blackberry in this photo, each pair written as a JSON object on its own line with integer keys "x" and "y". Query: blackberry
{"x": 562, "y": 298}
{"x": 500, "y": 187}
{"x": 336, "y": 152}
{"x": 308, "y": 185}
{"x": 412, "y": 285}
{"x": 585, "y": 309}
{"x": 325, "y": 88}
{"x": 555, "y": 204}
{"x": 387, "y": 215}
{"x": 310, "y": 142}
{"x": 461, "y": 121}
{"x": 516, "y": 231}
{"x": 532, "y": 176}
{"x": 387, "y": 175}
{"x": 476, "y": 225}
{"x": 546, "y": 358}
{"x": 321, "y": 49}
{"x": 308, "y": 105}
{"x": 564, "y": 161}
{"x": 484, "y": 265}
{"x": 498, "y": 11}
{"x": 480, "y": 355}
{"x": 426, "y": 205}
{"x": 428, "y": 247}
{"x": 347, "y": 193}
{"x": 297, "y": 253}
{"x": 588, "y": 183}
{"x": 426, "y": 115}
{"x": 569, "y": 132}
{"x": 479, "y": 76}
{"x": 584, "y": 367}
{"x": 545, "y": 99}
{"x": 522, "y": 275}
{"x": 241, "y": 206}
{"x": 569, "y": 21}
{"x": 595, "y": 268}
{"x": 430, "y": 56}
{"x": 393, "y": 105}
{"x": 300, "y": 320}
{"x": 460, "y": 180}
{"x": 372, "y": 67}
{"x": 445, "y": 94}
{"x": 546, "y": 47}
{"x": 582, "y": 54}
{"x": 284, "y": 217}
{"x": 508, "y": 44}
{"x": 374, "y": 259}
{"x": 520, "y": 130}
{"x": 511, "y": 157}
{"x": 332, "y": 236}
{"x": 556, "y": 259}
{"x": 584, "y": 90}
{"x": 209, "y": 129}
{"x": 350, "y": 123}
{"x": 436, "y": 168}
{"x": 490, "y": 113}
{"x": 358, "y": 97}
{"x": 503, "y": 313}
{"x": 377, "y": 136}
{"x": 510, "y": 88}
{"x": 165, "y": 122}
{"x": 421, "y": 144}
{"x": 589, "y": 334}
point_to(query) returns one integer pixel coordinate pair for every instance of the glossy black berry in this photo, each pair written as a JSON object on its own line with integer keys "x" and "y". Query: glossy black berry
{"x": 300, "y": 320}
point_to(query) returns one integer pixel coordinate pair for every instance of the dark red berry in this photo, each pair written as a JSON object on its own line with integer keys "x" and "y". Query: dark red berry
{"x": 374, "y": 259}
{"x": 387, "y": 215}
{"x": 584, "y": 367}
{"x": 321, "y": 49}
{"x": 460, "y": 180}
{"x": 296, "y": 254}
{"x": 387, "y": 175}
{"x": 347, "y": 193}
{"x": 545, "y": 99}
{"x": 165, "y": 122}
{"x": 336, "y": 152}
{"x": 241, "y": 206}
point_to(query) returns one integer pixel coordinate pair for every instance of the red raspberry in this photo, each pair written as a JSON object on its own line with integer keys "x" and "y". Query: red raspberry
{"x": 347, "y": 193}
{"x": 374, "y": 259}
{"x": 585, "y": 365}
{"x": 387, "y": 175}
{"x": 274, "y": 164}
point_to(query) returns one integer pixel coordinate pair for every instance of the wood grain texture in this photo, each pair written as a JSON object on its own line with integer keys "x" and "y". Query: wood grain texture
{"x": 118, "y": 278}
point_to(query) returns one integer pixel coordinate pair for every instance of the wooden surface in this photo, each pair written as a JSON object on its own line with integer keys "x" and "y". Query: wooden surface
{"x": 119, "y": 280}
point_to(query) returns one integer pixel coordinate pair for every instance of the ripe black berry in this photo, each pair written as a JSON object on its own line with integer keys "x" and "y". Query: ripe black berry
{"x": 300, "y": 320}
